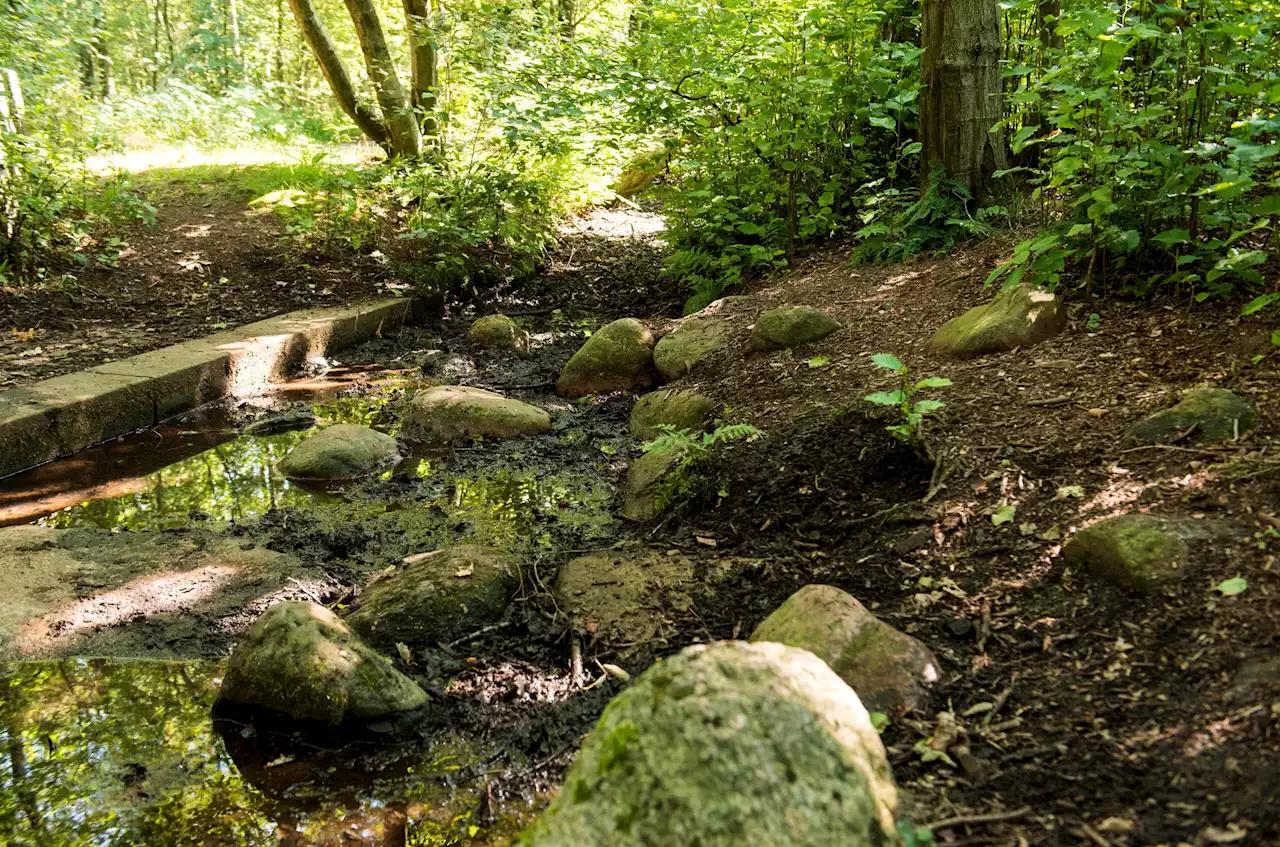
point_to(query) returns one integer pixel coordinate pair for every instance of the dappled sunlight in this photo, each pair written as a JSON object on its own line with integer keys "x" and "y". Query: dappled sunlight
{"x": 141, "y": 598}
{"x": 140, "y": 160}
{"x": 615, "y": 224}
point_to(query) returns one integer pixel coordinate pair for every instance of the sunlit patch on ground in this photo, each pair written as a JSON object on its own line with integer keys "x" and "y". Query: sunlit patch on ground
{"x": 140, "y": 160}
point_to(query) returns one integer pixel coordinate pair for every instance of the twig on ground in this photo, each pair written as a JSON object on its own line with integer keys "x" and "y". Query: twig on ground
{"x": 476, "y": 634}
{"x": 992, "y": 817}
{"x": 1051, "y": 401}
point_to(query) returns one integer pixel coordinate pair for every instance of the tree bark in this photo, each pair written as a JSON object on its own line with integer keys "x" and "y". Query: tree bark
{"x": 566, "y": 13}
{"x": 233, "y": 18}
{"x": 402, "y": 125}
{"x": 960, "y": 103}
{"x": 335, "y": 72}
{"x": 424, "y": 75}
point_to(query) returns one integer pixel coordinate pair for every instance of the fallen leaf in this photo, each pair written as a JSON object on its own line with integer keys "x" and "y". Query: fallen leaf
{"x": 1067, "y": 491}
{"x": 818, "y": 361}
{"x": 615, "y": 671}
{"x": 1003, "y": 515}
{"x": 1097, "y": 413}
{"x": 1231, "y": 587}
{"x": 464, "y": 572}
{"x": 706, "y": 542}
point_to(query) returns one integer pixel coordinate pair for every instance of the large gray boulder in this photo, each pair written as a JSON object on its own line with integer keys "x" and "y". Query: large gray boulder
{"x": 1141, "y": 552}
{"x": 791, "y": 326}
{"x": 1019, "y": 317}
{"x": 499, "y": 332}
{"x": 724, "y": 746}
{"x": 436, "y": 598}
{"x": 677, "y": 408}
{"x": 618, "y": 357}
{"x": 300, "y": 659}
{"x": 1205, "y": 415}
{"x": 342, "y": 451}
{"x": 890, "y": 671}
{"x": 447, "y": 412}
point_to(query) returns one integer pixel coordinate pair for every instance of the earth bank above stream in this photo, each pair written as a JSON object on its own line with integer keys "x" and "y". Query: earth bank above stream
{"x": 1060, "y": 702}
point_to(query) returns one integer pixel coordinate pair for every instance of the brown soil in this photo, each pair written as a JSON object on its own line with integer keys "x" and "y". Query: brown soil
{"x": 209, "y": 263}
{"x": 1094, "y": 716}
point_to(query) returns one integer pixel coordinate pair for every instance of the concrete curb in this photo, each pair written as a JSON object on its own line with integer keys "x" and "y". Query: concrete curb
{"x": 68, "y": 413}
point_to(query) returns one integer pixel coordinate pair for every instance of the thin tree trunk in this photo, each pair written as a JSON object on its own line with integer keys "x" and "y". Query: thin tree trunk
{"x": 335, "y": 72}
{"x": 233, "y": 17}
{"x": 424, "y": 67}
{"x": 566, "y": 13}
{"x": 402, "y": 125}
{"x": 279, "y": 58}
{"x": 155, "y": 48}
{"x": 960, "y": 102}
{"x": 168, "y": 28}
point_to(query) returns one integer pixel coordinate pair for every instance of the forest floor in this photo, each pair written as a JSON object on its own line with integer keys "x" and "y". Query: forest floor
{"x": 1094, "y": 716}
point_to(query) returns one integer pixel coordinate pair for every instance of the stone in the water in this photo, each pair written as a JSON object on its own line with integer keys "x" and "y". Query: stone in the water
{"x": 277, "y": 424}
{"x": 618, "y": 357}
{"x": 446, "y": 412}
{"x": 342, "y": 451}
{"x": 300, "y": 659}
{"x": 641, "y": 493}
{"x": 681, "y": 409}
{"x": 728, "y": 745}
{"x": 1203, "y": 415}
{"x": 629, "y": 597}
{"x": 1142, "y": 552}
{"x": 437, "y": 598}
{"x": 1019, "y": 317}
{"x": 499, "y": 332}
{"x": 791, "y": 326}
{"x": 890, "y": 671}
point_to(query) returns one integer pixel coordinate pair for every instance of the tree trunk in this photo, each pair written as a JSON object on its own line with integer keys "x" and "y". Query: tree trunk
{"x": 566, "y": 13}
{"x": 402, "y": 125}
{"x": 424, "y": 67}
{"x": 335, "y": 72}
{"x": 960, "y": 103}
{"x": 233, "y": 17}
{"x": 155, "y": 48}
{"x": 168, "y": 28}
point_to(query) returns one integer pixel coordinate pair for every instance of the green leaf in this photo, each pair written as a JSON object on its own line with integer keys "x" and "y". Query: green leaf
{"x": 1069, "y": 491}
{"x": 818, "y": 362}
{"x": 927, "y": 407}
{"x": 888, "y": 361}
{"x": 1003, "y": 515}
{"x": 1171, "y": 237}
{"x": 885, "y": 398}
{"x": 933, "y": 382}
{"x": 880, "y": 722}
{"x": 1257, "y": 304}
{"x": 1232, "y": 587}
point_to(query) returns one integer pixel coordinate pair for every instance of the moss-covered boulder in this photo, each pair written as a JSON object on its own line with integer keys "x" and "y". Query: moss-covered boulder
{"x": 300, "y": 659}
{"x": 1141, "y": 552}
{"x": 791, "y": 326}
{"x": 890, "y": 671}
{"x": 724, "y": 746}
{"x": 1203, "y": 415}
{"x": 342, "y": 451}
{"x": 446, "y": 412}
{"x": 641, "y": 493}
{"x": 624, "y": 598}
{"x": 681, "y": 409}
{"x": 1019, "y": 317}
{"x": 618, "y": 357}
{"x": 437, "y": 597}
{"x": 499, "y": 332}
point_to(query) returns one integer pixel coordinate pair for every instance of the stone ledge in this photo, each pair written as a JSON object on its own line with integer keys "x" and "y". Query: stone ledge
{"x": 68, "y": 413}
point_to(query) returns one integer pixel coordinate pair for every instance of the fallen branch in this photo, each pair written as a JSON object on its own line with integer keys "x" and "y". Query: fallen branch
{"x": 992, "y": 817}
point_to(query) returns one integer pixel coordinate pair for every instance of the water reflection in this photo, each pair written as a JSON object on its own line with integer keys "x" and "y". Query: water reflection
{"x": 124, "y": 752}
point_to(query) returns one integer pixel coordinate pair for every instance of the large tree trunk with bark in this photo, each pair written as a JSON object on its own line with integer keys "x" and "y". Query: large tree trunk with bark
{"x": 424, "y": 72}
{"x": 402, "y": 124}
{"x": 960, "y": 103}
{"x": 326, "y": 53}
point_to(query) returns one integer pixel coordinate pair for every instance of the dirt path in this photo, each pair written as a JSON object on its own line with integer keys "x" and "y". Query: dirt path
{"x": 210, "y": 262}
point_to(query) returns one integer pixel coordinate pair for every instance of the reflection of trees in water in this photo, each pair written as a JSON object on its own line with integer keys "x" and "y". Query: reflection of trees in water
{"x": 234, "y": 481}
{"x": 117, "y": 753}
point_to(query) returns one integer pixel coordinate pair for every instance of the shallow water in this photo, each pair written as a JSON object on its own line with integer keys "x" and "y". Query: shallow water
{"x": 125, "y": 752}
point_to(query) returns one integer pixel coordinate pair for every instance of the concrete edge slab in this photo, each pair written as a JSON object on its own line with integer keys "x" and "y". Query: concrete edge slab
{"x": 58, "y": 416}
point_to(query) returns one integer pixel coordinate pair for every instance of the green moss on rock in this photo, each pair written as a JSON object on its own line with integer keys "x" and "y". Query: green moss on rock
{"x": 447, "y": 412}
{"x": 791, "y": 326}
{"x": 681, "y": 409}
{"x": 342, "y": 451}
{"x": 1141, "y": 552}
{"x": 499, "y": 332}
{"x": 437, "y": 598}
{"x": 1019, "y": 317}
{"x": 644, "y": 483}
{"x": 890, "y": 670}
{"x": 723, "y": 746}
{"x": 1205, "y": 415}
{"x": 300, "y": 659}
{"x": 618, "y": 357}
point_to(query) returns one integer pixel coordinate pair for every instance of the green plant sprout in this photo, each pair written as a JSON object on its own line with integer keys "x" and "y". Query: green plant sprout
{"x": 913, "y": 411}
{"x": 681, "y": 484}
